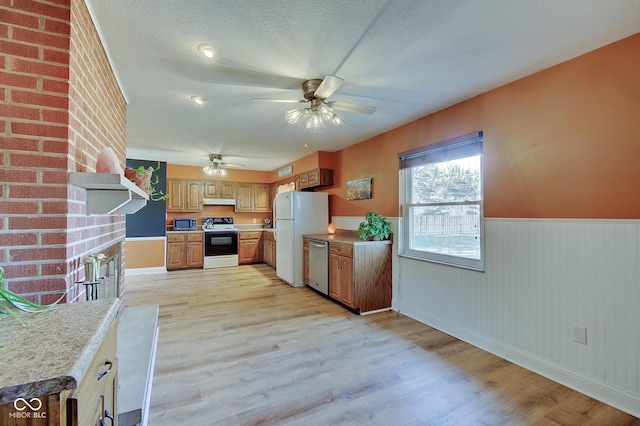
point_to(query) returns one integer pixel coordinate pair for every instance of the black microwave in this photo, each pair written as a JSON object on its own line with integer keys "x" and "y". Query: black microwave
{"x": 185, "y": 224}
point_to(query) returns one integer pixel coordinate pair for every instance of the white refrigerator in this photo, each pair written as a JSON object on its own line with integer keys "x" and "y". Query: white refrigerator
{"x": 297, "y": 214}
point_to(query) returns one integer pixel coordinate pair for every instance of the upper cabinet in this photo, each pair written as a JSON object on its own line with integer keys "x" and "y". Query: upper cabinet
{"x": 309, "y": 180}
{"x": 244, "y": 196}
{"x": 262, "y": 199}
{"x": 318, "y": 177}
{"x": 185, "y": 195}
{"x": 222, "y": 189}
{"x": 253, "y": 197}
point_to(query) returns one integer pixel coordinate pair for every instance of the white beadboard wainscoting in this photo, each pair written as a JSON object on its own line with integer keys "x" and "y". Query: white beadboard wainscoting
{"x": 543, "y": 277}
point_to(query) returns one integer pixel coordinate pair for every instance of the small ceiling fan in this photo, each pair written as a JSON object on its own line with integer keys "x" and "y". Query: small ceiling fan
{"x": 217, "y": 167}
{"x": 316, "y": 91}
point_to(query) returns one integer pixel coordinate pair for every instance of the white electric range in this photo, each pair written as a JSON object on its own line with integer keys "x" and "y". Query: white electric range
{"x": 220, "y": 242}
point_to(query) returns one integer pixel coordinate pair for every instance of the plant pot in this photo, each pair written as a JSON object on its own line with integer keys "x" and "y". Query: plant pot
{"x": 143, "y": 181}
{"x": 130, "y": 174}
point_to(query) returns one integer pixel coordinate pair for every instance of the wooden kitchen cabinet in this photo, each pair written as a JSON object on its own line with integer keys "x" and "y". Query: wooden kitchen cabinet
{"x": 95, "y": 399}
{"x": 262, "y": 198}
{"x": 185, "y": 195}
{"x": 249, "y": 247}
{"x": 244, "y": 197}
{"x": 253, "y": 197}
{"x": 360, "y": 275}
{"x": 185, "y": 250}
{"x": 222, "y": 189}
{"x": 315, "y": 178}
{"x": 269, "y": 249}
{"x": 341, "y": 273}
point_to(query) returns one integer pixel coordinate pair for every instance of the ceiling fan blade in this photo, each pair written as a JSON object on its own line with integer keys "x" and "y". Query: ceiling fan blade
{"x": 360, "y": 109}
{"x": 292, "y": 101}
{"x": 231, "y": 165}
{"x": 330, "y": 84}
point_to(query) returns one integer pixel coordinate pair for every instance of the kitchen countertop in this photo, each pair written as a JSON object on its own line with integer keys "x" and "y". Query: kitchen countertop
{"x": 52, "y": 353}
{"x": 344, "y": 239}
{"x": 252, "y": 227}
{"x": 248, "y": 227}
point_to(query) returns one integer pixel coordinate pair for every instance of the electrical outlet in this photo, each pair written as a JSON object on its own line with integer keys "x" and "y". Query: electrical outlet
{"x": 580, "y": 334}
{"x": 254, "y": 220}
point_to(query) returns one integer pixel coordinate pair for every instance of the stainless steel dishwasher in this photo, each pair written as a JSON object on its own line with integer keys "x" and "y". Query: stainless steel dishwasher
{"x": 319, "y": 266}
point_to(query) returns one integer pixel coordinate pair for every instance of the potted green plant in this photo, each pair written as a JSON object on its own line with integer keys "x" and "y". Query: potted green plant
{"x": 143, "y": 178}
{"x": 374, "y": 227}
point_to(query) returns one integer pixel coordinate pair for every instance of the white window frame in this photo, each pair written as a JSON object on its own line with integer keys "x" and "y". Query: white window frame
{"x": 421, "y": 156}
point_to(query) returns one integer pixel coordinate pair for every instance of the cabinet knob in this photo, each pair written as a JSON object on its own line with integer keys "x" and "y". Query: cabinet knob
{"x": 104, "y": 373}
{"x": 108, "y": 415}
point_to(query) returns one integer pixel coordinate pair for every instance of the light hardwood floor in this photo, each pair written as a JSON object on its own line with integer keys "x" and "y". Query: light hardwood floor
{"x": 239, "y": 347}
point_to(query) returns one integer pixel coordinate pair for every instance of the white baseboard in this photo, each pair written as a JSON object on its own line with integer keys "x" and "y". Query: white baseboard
{"x": 142, "y": 271}
{"x": 618, "y": 398}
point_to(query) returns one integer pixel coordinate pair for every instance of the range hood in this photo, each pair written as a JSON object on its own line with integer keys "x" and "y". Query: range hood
{"x": 109, "y": 193}
{"x": 219, "y": 201}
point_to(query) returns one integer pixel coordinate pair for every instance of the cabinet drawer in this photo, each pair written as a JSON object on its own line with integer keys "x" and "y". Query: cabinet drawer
{"x": 341, "y": 249}
{"x": 175, "y": 238}
{"x": 250, "y": 235}
{"x": 195, "y": 237}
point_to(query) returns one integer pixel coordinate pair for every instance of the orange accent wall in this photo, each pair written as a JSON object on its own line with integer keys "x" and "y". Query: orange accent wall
{"x": 561, "y": 143}
{"x": 321, "y": 159}
{"x": 194, "y": 172}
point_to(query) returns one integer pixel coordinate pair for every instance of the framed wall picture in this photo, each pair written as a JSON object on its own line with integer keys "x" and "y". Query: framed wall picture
{"x": 359, "y": 189}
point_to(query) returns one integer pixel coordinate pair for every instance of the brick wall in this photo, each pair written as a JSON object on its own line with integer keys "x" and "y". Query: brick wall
{"x": 59, "y": 106}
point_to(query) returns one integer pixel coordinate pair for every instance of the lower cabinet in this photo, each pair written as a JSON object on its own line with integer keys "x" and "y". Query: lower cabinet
{"x": 269, "y": 249}
{"x": 341, "y": 273}
{"x": 94, "y": 402}
{"x": 249, "y": 247}
{"x": 360, "y": 275}
{"x": 185, "y": 250}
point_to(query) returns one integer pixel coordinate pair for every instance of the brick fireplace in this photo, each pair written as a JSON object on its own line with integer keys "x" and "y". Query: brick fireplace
{"x": 60, "y": 104}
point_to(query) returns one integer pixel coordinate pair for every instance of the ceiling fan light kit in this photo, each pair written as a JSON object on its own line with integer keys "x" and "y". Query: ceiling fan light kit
{"x": 215, "y": 168}
{"x": 321, "y": 111}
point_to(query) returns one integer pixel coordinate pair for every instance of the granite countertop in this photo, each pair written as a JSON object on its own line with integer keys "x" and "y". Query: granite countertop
{"x": 344, "y": 239}
{"x": 52, "y": 353}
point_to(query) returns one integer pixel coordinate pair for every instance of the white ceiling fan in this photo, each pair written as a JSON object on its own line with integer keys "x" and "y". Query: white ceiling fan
{"x": 317, "y": 91}
{"x": 217, "y": 167}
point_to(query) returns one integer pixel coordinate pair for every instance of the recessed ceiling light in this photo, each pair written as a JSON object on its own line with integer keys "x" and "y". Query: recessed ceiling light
{"x": 207, "y": 50}
{"x": 198, "y": 99}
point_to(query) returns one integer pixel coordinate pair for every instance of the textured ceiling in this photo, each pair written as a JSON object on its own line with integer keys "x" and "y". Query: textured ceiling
{"x": 407, "y": 58}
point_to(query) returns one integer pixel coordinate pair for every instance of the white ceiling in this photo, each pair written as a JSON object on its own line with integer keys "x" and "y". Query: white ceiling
{"x": 407, "y": 58}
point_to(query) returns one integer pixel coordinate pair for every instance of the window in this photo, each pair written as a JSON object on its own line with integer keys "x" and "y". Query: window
{"x": 442, "y": 202}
